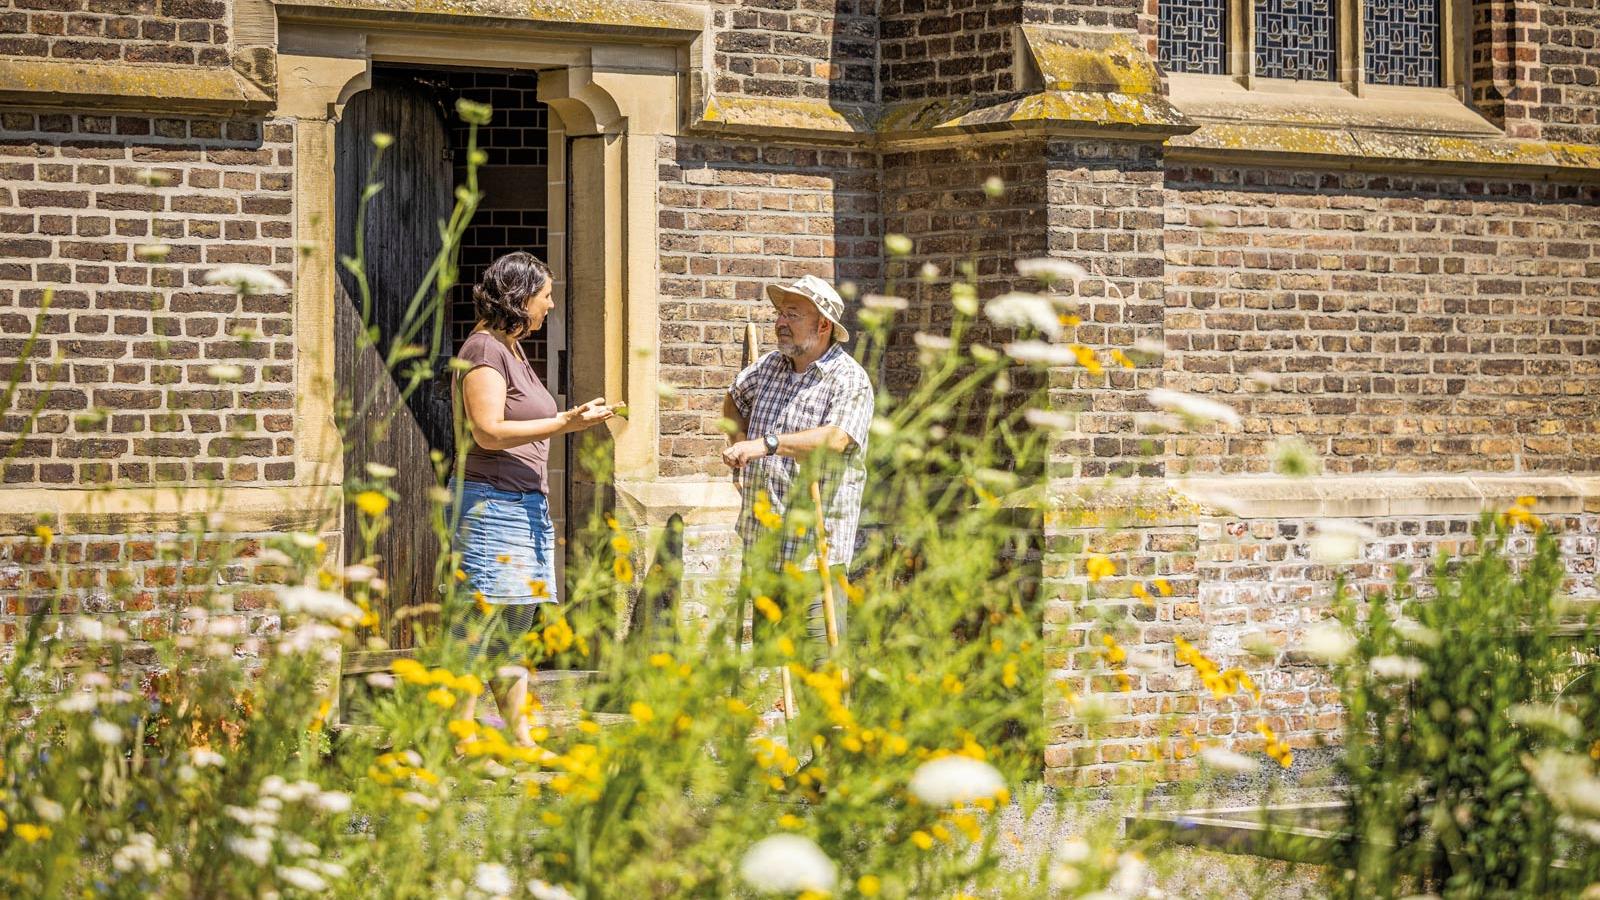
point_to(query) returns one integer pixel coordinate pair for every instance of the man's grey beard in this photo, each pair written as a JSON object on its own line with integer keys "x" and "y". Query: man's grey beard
{"x": 792, "y": 348}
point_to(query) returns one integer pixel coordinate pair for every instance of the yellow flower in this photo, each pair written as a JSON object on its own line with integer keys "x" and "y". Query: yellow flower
{"x": 641, "y": 712}
{"x": 768, "y": 608}
{"x": 1086, "y": 358}
{"x": 785, "y": 646}
{"x": 951, "y": 684}
{"x": 322, "y": 715}
{"x": 463, "y": 728}
{"x": 557, "y": 636}
{"x": 622, "y": 569}
{"x": 1143, "y": 595}
{"x": 661, "y": 660}
{"x": 1099, "y": 567}
{"x": 484, "y": 609}
{"x": 441, "y": 698}
{"x": 1113, "y": 653}
{"x": 922, "y": 839}
{"x": 468, "y": 684}
{"x": 410, "y": 671}
{"x": 1121, "y": 359}
{"x": 621, "y": 544}
{"x": 869, "y": 885}
{"x": 550, "y": 818}
{"x": 538, "y": 588}
{"x": 1162, "y": 586}
{"x": 30, "y": 832}
{"x": 1008, "y": 674}
{"x": 589, "y": 726}
{"x": 46, "y": 536}
{"x": 895, "y": 745}
{"x": 791, "y": 822}
{"x": 372, "y": 503}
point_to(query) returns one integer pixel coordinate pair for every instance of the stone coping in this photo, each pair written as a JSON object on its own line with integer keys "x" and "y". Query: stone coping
{"x": 194, "y": 89}
{"x": 144, "y": 510}
{"x": 575, "y": 17}
{"x": 1182, "y": 501}
{"x": 700, "y": 502}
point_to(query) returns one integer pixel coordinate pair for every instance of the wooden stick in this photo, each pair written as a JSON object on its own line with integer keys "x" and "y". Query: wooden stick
{"x": 829, "y": 616}
{"x": 789, "y": 707}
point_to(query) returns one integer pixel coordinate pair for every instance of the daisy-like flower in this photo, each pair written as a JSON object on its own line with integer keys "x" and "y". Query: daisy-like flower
{"x": 247, "y": 279}
{"x": 1328, "y": 641}
{"x": 1050, "y": 270}
{"x": 1545, "y": 717}
{"x": 1397, "y": 668}
{"x": 544, "y": 890}
{"x": 203, "y": 757}
{"x": 1225, "y": 760}
{"x": 1338, "y": 541}
{"x": 955, "y": 779}
{"x": 1047, "y": 420}
{"x": 108, "y": 733}
{"x": 897, "y": 244}
{"x": 309, "y": 601}
{"x": 492, "y": 878}
{"x": 1019, "y": 310}
{"x": 151, "y": 252}
{"x": 254, "y": 849}
{"x": 1191, "y": 407}
{"x": 885, "y": 302}
{"x": 788, "y": 864}
{"x": 379, "y": 470}
{"x": 89, "y": 629}
{"x": 1567, "y": 781}
{"x": 302, "y": 878}
{"x": 1040, "y": 353}
{"x": 334, "y": 802}
{"x": 933, "y": 343}
{"x": 225, "y": 372}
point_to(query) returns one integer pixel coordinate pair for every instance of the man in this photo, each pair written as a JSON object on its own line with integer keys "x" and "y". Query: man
{"x": 809, "y": 395}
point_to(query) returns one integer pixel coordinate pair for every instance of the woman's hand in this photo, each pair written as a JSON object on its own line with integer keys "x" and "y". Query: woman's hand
{"x": 587, "y": 415}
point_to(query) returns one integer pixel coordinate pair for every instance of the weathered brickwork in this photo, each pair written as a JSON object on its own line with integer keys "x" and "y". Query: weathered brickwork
{"x": 1568, "y": 107}
{"x": 1234, "y": 582}
{"x": 735, "y": 216}
{"x": 932, "y": 49}
{"x": 174, "y": 32}
{"x": 798, "y": 49}
{"x": 1407, "y": 324}
{"x": 123, "y": 364}
{"x": 135, "y": 580}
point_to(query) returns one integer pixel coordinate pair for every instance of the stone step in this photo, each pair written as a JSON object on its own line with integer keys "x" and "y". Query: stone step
{"x": 560, "y": 691}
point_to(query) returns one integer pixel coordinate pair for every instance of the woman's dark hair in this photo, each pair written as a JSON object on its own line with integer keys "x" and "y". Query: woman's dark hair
{"x": 500, "y": 298}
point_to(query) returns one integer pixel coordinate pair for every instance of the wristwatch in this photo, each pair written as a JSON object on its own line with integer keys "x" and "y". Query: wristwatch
{"x": 771, "y": 441}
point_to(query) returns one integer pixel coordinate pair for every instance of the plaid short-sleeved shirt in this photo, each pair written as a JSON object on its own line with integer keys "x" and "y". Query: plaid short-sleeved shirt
{"x": 775, "y": 399}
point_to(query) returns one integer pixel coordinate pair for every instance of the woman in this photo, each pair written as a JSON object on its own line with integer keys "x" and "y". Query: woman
{"x": 505, "y": 537}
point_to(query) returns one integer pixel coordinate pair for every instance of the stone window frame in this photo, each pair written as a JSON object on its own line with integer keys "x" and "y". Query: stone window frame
{"x": 1239, "y": 51}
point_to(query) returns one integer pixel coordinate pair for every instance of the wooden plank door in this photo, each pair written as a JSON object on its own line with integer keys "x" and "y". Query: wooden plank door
{"x": 401, "y": 239}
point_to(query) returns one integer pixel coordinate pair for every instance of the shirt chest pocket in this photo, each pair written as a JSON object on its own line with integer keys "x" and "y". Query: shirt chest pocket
{"x": 806, "y": 410}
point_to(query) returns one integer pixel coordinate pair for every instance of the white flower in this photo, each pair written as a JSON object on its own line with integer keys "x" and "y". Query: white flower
{"x": 897, "y": 244}
{"x": 152, "y": 178}
{"x": 1131, "y": 876}
{"x": 330, "y": 869}
{"x": 1397, "y": 668}
{"x": 247, "y": 279}
{"x": 201, "y": 757}
{"x": 107, "y": 733}
{"x": 1064, "y": 877}
{"x": 359, "y": 573}
{"x": 307, "y": 637}
{"x": 1338, "y": 541}
{"x": 95, "y": 679}
{"x": 254, "y": 849}
{"x": 1191, "y": 407}
{"x": 1263, "y": 379}
{"x": 81, "y": 702}
{"x": 1328, "y": 641}
{"x": 885, "y": 302}
{"x": 1416, "y": 633}
{"x": 955, "y": 779}
{"x": 1156, "y": 423}
{"x": 379, "y": 470}
{"x": 381, "y": 680}
{"x": 48, "y": 809}
{"x": 421, "y": 800}
{"x": 1225, "y": 760}
{"x": 1567, "y": 781}
{"x": 928, "y": 272}
{"x": 296, "y": 845}
{"x": 1074, "y": 851}
{"x": 666, "y": 391}
{"x": 933, "y": 343}
{"x": 331, "y": 802}
{"x": 1020, "y": 310}
{"x": 1050, "y": 270}
{"x": 305, "y": 541}
{"x": 321, "y": 604}
{"x": 492, "y": 878}
{"x": 1046, "y": 420}
{"x": 225, "y": 372}
{"x": 272, "y": 784}
{"x": 788, "y": 864}
{"x": 1149, "y": 346}
{"x": 302, "y": 878}
{"x": 151, "y": 252}
{"x": 141, "y": 852}
{"x": 544, "y": 890}
{"x": 89, "y": 629}
{"x": 1532, "y": 715}
{"x": 1040, "y": 352}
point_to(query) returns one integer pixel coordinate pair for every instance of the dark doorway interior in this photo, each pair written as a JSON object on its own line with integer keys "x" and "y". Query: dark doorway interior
{"x": 419, "y": 173}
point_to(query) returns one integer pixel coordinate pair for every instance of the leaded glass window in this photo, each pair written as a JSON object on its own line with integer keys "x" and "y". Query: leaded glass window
{"x": 1193, "y": 35}
{"x": 1294, "y": 39}
{"x": 1402, "y": 41}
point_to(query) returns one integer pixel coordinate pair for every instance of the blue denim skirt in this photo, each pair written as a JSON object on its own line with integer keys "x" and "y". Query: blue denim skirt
{"x": 507, "y": 544}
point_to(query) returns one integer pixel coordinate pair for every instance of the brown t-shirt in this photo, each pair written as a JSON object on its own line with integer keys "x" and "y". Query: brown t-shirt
{"x": 524, "y": 467}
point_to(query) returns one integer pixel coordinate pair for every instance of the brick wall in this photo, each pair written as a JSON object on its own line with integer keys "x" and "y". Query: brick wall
{"x": 735, "y": 217}
{"x": 1234, "y": 582}
{"x": 946, "y": 48}
{"x": 1413, "y": 324}
{"x": 137, "y": 580}
{"x": 1568, "y": 102}
{"x": 131, "y": 400}
{"x": 812, "y": 49}
{"x": 174, "y": 32}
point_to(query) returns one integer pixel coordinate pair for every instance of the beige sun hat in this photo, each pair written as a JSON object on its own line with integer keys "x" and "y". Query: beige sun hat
{"x": 822, "y": 296}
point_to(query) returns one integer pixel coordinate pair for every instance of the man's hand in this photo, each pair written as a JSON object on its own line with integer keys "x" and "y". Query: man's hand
{"x": 738, "y": 455}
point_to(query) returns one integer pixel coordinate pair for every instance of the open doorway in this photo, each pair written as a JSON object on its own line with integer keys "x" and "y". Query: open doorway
{"x": 419, "y": 173}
